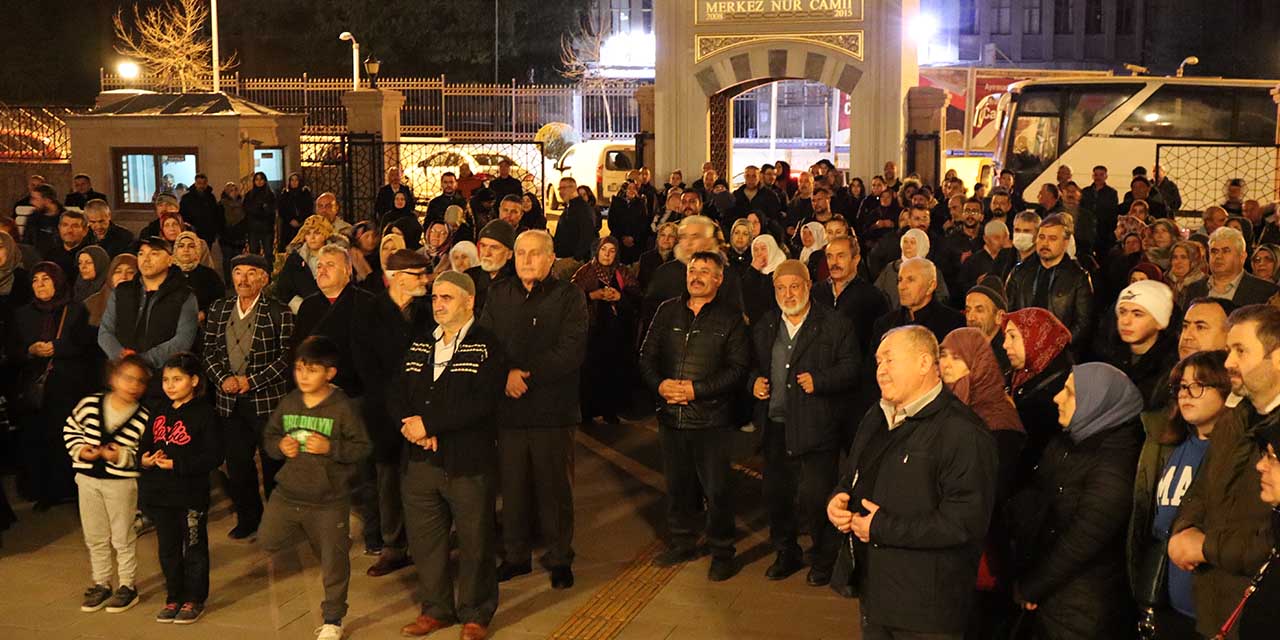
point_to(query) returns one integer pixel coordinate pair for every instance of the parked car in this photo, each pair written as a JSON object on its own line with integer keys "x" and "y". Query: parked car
{"x": 601, "y": 165}
{"x": 424, "y": 176}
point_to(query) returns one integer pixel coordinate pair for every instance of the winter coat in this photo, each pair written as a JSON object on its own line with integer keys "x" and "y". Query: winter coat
{"x": 1071, "y": 297}
{"x": 711, "y": 349}
{"x": 826, "y": 347}
{"x": 935, "y": 485}
{"x": 542, "y": 331}
{"x": 260, "y": 209}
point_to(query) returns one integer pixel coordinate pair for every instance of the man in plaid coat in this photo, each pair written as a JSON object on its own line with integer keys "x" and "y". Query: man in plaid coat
{"x": 246, "y": 354}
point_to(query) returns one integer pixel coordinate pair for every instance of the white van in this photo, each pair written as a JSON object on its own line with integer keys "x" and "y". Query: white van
{"x": 601, "y": 165}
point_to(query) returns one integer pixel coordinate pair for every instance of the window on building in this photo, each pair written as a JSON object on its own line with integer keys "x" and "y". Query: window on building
{"x": 1031, "y": 18}
{"x": 969, "y": 17}
{"x": 1125, "y": 17}
{"x": 1093, "y": 17}
{"x": 1062, "y": 10}
{"x": 1002, "y": 17}
{"x": 646, "y": 15}
{"x": 620, "y": 16}
{"x": 144, "y": 174}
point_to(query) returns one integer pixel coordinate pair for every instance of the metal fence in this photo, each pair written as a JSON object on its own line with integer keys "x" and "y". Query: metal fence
{"x": 353, "y": 166}
{"x": 435, "y": 107}
{"x": 1201, "y": 171}
{"x": 34, "y": 133}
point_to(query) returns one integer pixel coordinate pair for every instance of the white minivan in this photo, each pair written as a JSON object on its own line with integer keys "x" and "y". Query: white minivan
{"x": 601, "y": 165}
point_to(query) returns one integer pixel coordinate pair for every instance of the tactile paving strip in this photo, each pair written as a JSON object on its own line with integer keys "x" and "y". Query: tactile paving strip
{"x": 619, "y": 601}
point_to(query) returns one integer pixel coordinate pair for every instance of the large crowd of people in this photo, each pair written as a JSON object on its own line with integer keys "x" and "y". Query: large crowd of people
{"x": 990, "y": 418}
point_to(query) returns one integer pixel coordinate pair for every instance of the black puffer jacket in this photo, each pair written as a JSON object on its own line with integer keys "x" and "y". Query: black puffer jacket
{"x": 1037, "y": 411}
{"x": 1071, "y": 297}
{"x": 1070, "y": 533}
{"x": 827, "y": 348}
{"x": 711, "y": 349}
{"x": 544, "y": 332}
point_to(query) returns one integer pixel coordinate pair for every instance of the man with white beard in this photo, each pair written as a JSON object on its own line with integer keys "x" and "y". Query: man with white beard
{"x": 496, "y": 245}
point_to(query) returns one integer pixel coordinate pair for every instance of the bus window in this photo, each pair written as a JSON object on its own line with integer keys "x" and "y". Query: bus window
{"x": 1182, "y": 113}
{"x": 1256, "y": 122}
{"x": 1087, "y": 105}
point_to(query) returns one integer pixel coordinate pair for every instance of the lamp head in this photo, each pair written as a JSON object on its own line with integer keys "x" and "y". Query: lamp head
{"x": 346, "y": 36}
{"x": 372, "y": 65}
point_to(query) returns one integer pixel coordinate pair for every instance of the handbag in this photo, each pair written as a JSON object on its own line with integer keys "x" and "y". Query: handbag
{"x": 31, "y": 395}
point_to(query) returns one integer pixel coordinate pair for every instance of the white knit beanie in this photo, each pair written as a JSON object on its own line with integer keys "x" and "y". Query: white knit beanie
{"x": 1154, "y": 296}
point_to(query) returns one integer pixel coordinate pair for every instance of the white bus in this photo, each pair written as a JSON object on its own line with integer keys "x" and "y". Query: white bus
{"x": 1118, "y": 121}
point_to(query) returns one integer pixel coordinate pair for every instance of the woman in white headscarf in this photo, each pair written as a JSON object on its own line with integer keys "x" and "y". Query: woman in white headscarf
{"x": 464, "y": 255}
{"x": 813, "y": 236}
{"x": 914, "y": 244}
{"x": 757, "y": 282}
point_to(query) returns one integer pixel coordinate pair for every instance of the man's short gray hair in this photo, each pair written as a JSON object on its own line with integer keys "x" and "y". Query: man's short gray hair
{"x": 699, "y": 220}
{"x": 994, "y": 229}
{"x": 1228, "y": 234}
{"x": 548, "y": 243}
{"x": 917, "y": 338}
{"x": 1028, "y": 216}
{"x": 336, "y": 249}
{"x": 924, "y": 264}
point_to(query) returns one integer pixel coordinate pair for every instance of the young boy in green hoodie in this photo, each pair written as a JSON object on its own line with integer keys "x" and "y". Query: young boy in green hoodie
{"x": 317, "y": 431}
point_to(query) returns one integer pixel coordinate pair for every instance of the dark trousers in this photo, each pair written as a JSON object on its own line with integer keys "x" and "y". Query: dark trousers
{"x": 696, "y": 465}
{"x": 326, "y": 530}
{"x": 378, "y": 504}
{"x": 242, "y": 434}
{"x": 434, "y": 503}
{"x": 537, "y": 472}
{"x": 182, "y": 536}
{"x": 260, "y": 242}
{"x": 795, "y": 491}
{"x": 872, "y": 631}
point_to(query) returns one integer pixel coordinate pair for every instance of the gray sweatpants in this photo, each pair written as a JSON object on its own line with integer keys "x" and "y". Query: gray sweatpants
{"x": 107, "y": 510}
{"x": 326, "y": 529}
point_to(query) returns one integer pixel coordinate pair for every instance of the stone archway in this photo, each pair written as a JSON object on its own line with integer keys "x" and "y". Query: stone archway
{"x": 708, "y": 52}
{"x": 731, "y": 68}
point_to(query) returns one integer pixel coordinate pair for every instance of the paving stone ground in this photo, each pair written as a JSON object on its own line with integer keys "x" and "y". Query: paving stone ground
{"x": 619, "y": 510}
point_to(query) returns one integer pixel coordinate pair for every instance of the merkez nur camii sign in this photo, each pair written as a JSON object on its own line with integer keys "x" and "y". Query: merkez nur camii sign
{"x": 741, "y": 11}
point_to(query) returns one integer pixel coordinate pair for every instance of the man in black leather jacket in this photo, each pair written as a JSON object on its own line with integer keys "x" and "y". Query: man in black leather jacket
{"x": 695, "y": 358}
{"x": 1055, "y": 282}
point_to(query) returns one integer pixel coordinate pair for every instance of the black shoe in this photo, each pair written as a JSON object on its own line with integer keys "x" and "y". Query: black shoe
{"x": 676, "y": 555}
{"x": 784, "y": 566}
{"x": 722, "y": 569}
{"x": 561, "y": 577}
{"x": 95, "y": 598}
{"x": 190, "y": 612}
{"x": 242, "y": 533}
{"x": 508, "y": 570}
{"x": 818, "y": 577}
{"x": 123, "y": 599}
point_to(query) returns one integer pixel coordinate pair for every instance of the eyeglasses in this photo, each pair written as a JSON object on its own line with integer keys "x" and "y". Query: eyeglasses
{"x": 1194, "y": 390}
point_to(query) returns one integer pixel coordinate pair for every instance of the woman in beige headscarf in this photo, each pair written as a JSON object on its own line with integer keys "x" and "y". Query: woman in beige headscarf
{"x": 123, "y": 268}
{"x": 190, "y": 253}
{"x": 297, "y": 278}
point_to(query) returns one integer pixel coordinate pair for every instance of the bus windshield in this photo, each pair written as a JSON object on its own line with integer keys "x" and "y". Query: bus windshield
{"x": 1046, "y": 120}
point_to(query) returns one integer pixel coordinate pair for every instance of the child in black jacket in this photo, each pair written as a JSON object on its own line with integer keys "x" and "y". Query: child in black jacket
{"x": 179, "y": 449}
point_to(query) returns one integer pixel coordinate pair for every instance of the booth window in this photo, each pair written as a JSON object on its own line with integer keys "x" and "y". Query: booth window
{"x": 143, "y": 174}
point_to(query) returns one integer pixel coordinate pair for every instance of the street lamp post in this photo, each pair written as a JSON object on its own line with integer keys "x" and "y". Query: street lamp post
{"x": 371, "y": 66}
{"x": 355, "y": 59}
{"x": 213, "y": 23}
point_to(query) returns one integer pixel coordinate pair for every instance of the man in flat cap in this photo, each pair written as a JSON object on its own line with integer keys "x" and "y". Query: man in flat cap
{"x": 398, "y": 314}
{"x": 246, "y": 352}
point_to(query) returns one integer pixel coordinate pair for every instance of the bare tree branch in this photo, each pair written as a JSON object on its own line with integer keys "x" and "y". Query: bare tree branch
{"x": 169, "y": 41}
{"x": 580, "y": 53}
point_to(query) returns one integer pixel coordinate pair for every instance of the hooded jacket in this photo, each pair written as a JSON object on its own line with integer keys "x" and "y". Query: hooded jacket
{"x": 1069, "y": 525}
{"x": 308, "y": 478}
{"x": 190, "y": 436}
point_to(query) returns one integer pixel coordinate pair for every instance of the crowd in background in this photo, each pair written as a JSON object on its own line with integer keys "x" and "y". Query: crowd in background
{"x": 991, "y": 417}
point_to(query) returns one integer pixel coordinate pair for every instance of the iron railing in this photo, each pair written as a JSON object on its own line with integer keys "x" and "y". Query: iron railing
{"x": 353, "y": 166}
{"x": 436, "y": 107}
{"x": 31, "y": 133}
{"x": 1202, "y": 171}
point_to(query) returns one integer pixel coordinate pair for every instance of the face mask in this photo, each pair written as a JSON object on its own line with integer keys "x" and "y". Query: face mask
{"x": 1023, "y": 241}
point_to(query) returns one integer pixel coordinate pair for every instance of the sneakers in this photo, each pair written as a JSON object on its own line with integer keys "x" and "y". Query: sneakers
{"x": 123, "y": 600}
{"x": 242, "y": 533}
{"x": 168, "y": 613}
{"x": 142, "y": 524}
{"x": 190, "y": 612}
{"x": 329, "y": 632}
{"x": 95, "y": 598}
